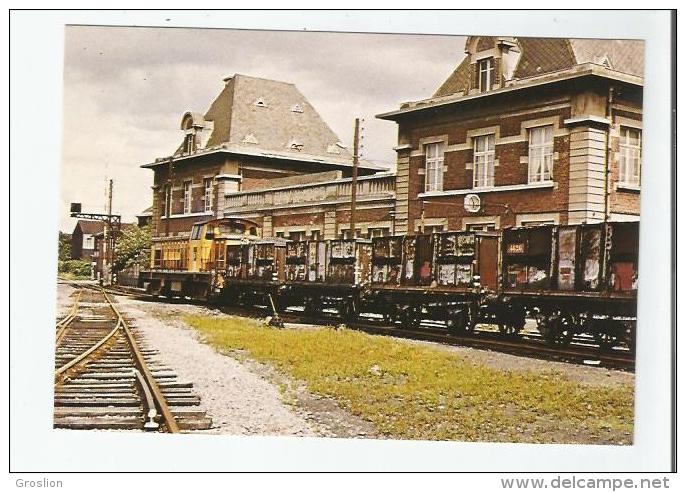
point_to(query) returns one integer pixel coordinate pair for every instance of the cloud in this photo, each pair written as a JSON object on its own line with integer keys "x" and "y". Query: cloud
{"x": 126, "y": 88}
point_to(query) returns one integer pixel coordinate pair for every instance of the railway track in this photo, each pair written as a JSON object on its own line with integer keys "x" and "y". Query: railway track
{"x": 107, "y": 378}
{"x": 528, "y": 345}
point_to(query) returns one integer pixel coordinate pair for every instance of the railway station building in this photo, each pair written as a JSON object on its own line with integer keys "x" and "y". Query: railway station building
{"x": 523, "y": 131}
{"x": 263, "y": 152}
{"x": 530, "y": 130}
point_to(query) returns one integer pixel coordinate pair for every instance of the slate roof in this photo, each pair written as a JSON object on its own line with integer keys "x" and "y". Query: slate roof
{"x": 90, "y": 226}
{"x": 457, "y": 82}
{"x": 145, "y": 213}
{"x": 546, "y": 55}
{"x": 266, "y": 116}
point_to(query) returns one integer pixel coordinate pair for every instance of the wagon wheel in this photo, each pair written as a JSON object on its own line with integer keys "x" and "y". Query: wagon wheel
{"x": 559, "y": 330}
{"x": 606, "y": 340}
{"x": 409, "y": 317}
{"x": 508, "y": 329}
{"x": 459, "y": 323}
{"x": 612, "y": 334}
{"x": 309, "y": 307}
{"x": 631, "y": 337}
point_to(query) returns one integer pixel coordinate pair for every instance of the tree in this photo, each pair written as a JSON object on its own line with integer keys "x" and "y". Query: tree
{"x": 64, "y": 246}
{"x": 132, "y": 246}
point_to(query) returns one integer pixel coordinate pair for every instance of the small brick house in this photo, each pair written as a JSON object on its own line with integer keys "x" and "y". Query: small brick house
{"x": 540, "y": 130}
{"x": 83, "y": 241}
{"x": 257, "y": 131}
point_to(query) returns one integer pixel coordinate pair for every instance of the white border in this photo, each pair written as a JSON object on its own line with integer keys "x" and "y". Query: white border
{"x": 36, "y": 84}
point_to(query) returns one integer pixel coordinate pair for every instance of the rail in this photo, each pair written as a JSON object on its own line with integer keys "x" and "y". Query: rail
{"x": 61, "y": 325}
{"x": 147, "y": 377}
{"x": 84, "y": 355}
{"x": 153, "y": 399}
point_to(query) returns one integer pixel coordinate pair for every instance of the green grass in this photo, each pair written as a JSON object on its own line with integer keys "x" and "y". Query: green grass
{"x": 414, "y": 391}
{"x": 72, "y": 276}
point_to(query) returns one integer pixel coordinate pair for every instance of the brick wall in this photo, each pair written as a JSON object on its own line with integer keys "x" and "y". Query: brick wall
{"x": 510, "y": 169}
{"x": 509, "y": 118}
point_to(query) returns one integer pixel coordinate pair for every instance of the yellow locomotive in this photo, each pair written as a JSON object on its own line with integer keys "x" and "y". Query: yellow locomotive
{"x": 194, "y": 265}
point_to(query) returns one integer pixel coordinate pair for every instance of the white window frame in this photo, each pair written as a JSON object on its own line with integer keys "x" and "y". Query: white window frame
{"x": 189, "y": 143}
{"x": 373, "y": 232}
{"x": 541, "y": 154}
{"x": 187, "y": 185}
{"x": 485, "y": 66}
{"x": 301, "y": 232}
{"x": 481, "y": 227}
{"x": 88, "y": 241}
{"x": 431, "y": 229}
{"x": 207, "y": 186}
{"x": 433, "y": 179}
{"x": 629, "y": 173}
{"x": 167, "y": 200}
{"x": 483, "y": 175}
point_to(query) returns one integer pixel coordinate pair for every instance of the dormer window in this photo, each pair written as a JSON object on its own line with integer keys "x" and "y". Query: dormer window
{"x": 189, "y": 143}
{"x": 485, "y": 69}
{"x": 260, "y": 102}
{"x": 296, "y": 108}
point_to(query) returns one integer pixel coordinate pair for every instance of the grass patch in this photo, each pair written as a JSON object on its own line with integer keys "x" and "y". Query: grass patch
{"x": 420, "y": 392}
{"x": 72, "y": 276}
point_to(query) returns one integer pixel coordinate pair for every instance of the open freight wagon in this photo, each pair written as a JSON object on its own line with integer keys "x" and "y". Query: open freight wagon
{"x": 254, "y": 271}
{"x": 438, "y": 277}
{"x": 574, "y": 279}
{"x": 326, "y": 275}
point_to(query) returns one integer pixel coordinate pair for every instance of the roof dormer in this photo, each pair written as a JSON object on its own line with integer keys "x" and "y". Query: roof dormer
{"x": 196, "y": 131}
{"x": 492, "y": 61}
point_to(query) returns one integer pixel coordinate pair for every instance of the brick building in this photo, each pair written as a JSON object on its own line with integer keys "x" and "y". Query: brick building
{"x": 255, "y": 133}
{"x": 541, "y": 130}
{"x": 318, "y": 206}
{"x": 83, "y": 239}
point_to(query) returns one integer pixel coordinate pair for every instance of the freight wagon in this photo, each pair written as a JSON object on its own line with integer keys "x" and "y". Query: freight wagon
{"x": 326, "y": 275}
{"x": 442, "y": 277}
{"x": 573, "y": 280}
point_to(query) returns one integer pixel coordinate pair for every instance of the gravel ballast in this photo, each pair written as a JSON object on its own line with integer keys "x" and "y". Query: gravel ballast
{"x": 238, "y": 401}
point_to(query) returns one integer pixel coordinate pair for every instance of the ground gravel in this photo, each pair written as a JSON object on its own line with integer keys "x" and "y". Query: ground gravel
{"x": 239, "y": 401}
{"x": 65, "y": 301}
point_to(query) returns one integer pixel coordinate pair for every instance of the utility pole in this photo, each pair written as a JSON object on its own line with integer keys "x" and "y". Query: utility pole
{"x": 356, "y": 159}
{"x": 111, "y": 227}
{"x": 108, "y": 256}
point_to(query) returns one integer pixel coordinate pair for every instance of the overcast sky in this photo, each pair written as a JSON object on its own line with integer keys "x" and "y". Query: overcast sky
{"x": 125, "y": 90}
